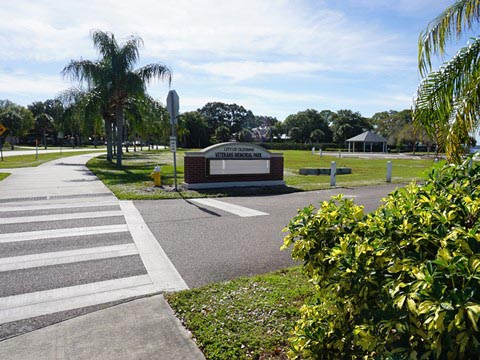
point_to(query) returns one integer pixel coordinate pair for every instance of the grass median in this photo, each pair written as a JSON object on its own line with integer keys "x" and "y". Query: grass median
{"x": 133, "y": 182}
{"x": 3, "y": 175}
{"x": 244, "y": 318}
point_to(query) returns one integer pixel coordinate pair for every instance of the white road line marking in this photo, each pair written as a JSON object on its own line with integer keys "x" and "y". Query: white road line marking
{"x": 234, "y": 209}
{"x": 24, "y": 306}
{"x": 57, "y": 206}
{"x": 65, "y": 257}
{"x": 62, "y": 233}
{"x": 56, "y": 217}
{"x": 159, "y": 267}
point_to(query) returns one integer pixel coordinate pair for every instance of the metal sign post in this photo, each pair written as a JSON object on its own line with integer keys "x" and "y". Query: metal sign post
{"x": 173, "y": 105}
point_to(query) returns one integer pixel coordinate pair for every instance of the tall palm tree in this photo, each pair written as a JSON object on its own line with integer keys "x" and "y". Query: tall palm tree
{"x": 447, "y": 103}
{"x": 114, "y": 78}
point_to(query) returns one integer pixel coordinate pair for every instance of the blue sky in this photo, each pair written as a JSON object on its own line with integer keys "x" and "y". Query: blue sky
{"x": 274, "y": 57}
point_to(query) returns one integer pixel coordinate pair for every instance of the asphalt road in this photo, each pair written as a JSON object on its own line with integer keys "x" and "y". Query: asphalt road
{"x": 207, "y": 244}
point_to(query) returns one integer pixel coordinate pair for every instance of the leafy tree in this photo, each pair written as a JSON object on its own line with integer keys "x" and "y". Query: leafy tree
{"x": 448, "y": 100}
{"x": 389, "y": 123}
{"x": 348, "y": 124}
{"x": 16, "y": 118}
{"x": 233, "y": 116}
{"x": 43, "y": 124}
{"x": 222, "y": 134}
{"x": 296, "y": 134}
{"x": 196, "y": 124}
{"x": 114, "y": 77}
{"x": 267, "y": 121}
{"x": 317, "y": 136}
{"x": 11, "y": 120}
{"x": 307, "y": 121}
{"x": 55, "y": 110}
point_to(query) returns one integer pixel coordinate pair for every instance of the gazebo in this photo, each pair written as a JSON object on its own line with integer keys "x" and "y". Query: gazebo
{"x": 367, "y": 138}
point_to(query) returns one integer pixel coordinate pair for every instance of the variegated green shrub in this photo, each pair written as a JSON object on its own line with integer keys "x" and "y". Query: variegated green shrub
{"x": 400, "y": 283}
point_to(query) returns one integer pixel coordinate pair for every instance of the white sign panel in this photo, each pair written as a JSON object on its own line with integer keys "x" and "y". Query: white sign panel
{"x": 173, "y": 144}
{"x": 239, "y": 167}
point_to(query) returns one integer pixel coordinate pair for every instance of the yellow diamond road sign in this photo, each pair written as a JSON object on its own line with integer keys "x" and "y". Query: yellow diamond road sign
{"x": 2, "y": 129}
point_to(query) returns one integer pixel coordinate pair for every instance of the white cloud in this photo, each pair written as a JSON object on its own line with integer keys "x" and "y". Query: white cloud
{"x": 242, "y": 70}
{"x": 417, "y": 8}
{"x": 27, "y": 85}
{"x": 188, "y": 30}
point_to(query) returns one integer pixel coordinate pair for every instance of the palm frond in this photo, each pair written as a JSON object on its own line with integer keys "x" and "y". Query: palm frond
{"x": 82, "y": 71}
{"x": 105, "y": 43}
{"x": 129, "y": 52}
{"x": 157, "y": 70}
{"x": 452, "y": 22}
{"x": 447, "y": 101}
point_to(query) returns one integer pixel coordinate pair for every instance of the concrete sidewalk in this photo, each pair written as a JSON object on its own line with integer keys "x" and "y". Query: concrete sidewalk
{"x": 140, "y": 329}
{"x": 62, "y": 177}
{"x": 144, "y": 328}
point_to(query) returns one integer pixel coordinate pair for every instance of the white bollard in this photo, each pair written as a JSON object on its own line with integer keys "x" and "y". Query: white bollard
{"x": 313, "y": 150}
{"x": 333, "y": 173}
{"x": 320, "y": 152}
{"x": 389, "y": 171}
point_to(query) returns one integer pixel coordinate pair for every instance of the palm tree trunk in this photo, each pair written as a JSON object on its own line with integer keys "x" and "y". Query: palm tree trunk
{"x": 108, "y": 136}
{"x": 119, "y": 121}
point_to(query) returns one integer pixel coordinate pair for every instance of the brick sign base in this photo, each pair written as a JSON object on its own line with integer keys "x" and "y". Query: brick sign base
{"x": 232, "y": 165}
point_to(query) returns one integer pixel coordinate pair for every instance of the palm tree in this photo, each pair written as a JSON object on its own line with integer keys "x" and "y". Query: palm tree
{"x": 447, "y": 102}
{"x": 113, "y": 76}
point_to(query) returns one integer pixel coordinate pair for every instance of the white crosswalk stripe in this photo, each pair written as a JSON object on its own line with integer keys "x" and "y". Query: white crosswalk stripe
{"x": 62, "y": 233}
{"x": 231, "y": 208}
{"x": 65, "y": 257}
{"x": 20, "y": 254}
{"x": 24, "y": 306}
{"x": 58, "y": 206}
{"x": 57, "y": 217}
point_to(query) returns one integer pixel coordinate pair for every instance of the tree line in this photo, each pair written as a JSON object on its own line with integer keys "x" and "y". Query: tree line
{"x": 146, "y": 122}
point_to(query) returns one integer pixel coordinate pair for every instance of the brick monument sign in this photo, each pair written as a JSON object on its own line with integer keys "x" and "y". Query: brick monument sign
{"x": 233, "y": 165}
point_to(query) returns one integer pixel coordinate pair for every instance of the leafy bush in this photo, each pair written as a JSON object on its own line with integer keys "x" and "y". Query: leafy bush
{"x": 399, "y": 283}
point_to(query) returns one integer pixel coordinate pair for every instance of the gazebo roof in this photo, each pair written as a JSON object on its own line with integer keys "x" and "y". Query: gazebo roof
{"x": 368, "y": 137}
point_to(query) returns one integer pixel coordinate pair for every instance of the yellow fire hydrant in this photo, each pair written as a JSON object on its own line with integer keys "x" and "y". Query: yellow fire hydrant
{"x": 156, "y": 176}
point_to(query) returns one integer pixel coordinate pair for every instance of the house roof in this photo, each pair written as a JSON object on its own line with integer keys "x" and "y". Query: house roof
{"x": 368, "y": 137}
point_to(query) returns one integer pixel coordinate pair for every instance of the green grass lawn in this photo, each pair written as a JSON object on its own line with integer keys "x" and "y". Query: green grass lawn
{"x": 3, "y": 175}
{"x": 244, "y": 318}
{"x": 19, "y": 161}
{"x": 133, "y": 180}
{"x": 364, "y": 171}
